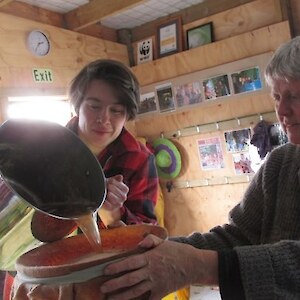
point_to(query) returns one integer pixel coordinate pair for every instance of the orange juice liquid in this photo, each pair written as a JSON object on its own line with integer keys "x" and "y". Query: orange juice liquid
{"x": 88, "y": 225}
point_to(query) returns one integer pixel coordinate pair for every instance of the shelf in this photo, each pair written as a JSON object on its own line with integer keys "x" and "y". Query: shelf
{"x": 252, "y": 43}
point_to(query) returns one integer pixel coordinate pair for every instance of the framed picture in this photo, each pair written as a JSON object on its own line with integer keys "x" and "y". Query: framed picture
{"x": 169, "y": 38}
{"x": 147, "y": 103}
{"x": 188, "y": 94}
{"x": 165, "y": 97}
{"x": 216, "y": 87}
{"x": 246, "y": 80}
{"x": 200, "y": 35}
{"x": 242, "y": 163}
{"x": 238, "y": 140}
{"x": 210, "y": 153}
{"x": 144, "y": 51}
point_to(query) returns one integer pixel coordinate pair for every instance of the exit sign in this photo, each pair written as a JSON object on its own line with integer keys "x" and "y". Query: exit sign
{"x": 42, "y": 75}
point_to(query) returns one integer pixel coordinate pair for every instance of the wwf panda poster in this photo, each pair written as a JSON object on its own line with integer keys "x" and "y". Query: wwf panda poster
{"x": 144, "y": 51}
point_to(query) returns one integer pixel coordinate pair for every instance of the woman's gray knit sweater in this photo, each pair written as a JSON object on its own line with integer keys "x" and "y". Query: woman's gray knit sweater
{"x": 264, "y": 229}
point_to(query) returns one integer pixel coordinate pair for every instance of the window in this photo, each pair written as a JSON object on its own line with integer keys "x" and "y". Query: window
{"x": 49, "y": 108}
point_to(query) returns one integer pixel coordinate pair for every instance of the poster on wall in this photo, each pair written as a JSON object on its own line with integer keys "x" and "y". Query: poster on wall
{"x": 165, "y": 97}
{"x": 210, "y": 153}
{"x": 238, "y": 140}
{"x": 242, "y": 163}
{"x": 188, "y": 94}
{"x": 246, "y": 81}
{"x": 216, "y": 87}
{"x": 144, "y": 51}
{"x": 147, "y": 103}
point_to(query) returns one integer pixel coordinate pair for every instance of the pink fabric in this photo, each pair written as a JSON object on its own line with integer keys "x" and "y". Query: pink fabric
{"x": 8, "y": 282}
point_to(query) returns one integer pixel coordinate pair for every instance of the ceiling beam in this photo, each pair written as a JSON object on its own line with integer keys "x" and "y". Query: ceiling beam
{"x": 4, "y": 2}
{"x": 33, "y": 13}
{"x": 96, "y": 10}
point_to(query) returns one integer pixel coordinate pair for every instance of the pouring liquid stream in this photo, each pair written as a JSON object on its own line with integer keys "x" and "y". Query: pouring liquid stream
{"x": 88, "y": 225}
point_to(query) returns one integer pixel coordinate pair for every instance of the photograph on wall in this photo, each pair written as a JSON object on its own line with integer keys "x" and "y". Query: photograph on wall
{"x": 188, "y": 94}
{"x": 238, "y": 140}
{"x": 165, "y": 97}
{"x": 242, "y": 163}
{"x": 246, "y": 81}
{"x": 144, "y": 51}
{"x": 199, "y": 36}
{"x": 216, "y": 87}
{"x": 210, "y": 153}
{"x": 147, "y": 103}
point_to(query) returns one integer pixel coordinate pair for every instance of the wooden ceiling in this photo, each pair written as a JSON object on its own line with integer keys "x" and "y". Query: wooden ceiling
{"x": 78, "y": 19}
{"x": 86, "y": 18}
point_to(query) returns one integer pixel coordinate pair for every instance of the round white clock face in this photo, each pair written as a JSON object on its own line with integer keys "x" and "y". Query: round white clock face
{"x": 38, "y": 43}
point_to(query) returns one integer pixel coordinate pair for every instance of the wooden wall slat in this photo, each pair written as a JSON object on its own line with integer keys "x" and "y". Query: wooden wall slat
{"x": 235, "y": 21}
{"x": 199, "y": 209}
{"x": 209, "y": 111}
{"x": 241, "y": 19}
{"x": 208, "y": 206}
{"x": 234, "y": 48}
{"x": 69, "y": 52}
{"x": 30, "y": 12}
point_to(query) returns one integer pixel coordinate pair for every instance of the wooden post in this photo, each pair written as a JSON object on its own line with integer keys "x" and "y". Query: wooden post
{"x": 124, "y": 37}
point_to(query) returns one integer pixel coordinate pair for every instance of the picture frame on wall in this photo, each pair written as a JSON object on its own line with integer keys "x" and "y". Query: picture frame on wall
{"x": 200, "y": 35}
{"x": 237, "y": 140}
{"x": 247, "y": 80}
{"x": 147, "y": 103}
{"x": 165, "y": 97}
{"x": 216, "y": 87}
{"x": 169, "y": 37}
{"x": 144, "y": 51}
{"x": 242, "y": 163}
{"x": 210, "y": 153}
{"x": 188, "y": 94}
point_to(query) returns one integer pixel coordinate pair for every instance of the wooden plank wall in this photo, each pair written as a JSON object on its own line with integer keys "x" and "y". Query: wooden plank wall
{"x": 238, "y": 20}
{"x": 70, "y": 51}
{"x": 253, "y": 29}
{"x": 152, "y": 125}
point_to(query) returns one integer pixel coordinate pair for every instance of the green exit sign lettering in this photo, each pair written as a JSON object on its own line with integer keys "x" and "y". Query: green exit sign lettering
{"x": 42, "y": 75}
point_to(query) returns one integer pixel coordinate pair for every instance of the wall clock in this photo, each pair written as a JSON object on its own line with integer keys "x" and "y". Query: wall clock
{"x": 38, "y": 43}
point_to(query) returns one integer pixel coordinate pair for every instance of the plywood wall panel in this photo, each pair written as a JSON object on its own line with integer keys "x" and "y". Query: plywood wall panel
{"x": 221, "y": 52}
{"x": 70, "y": 51}
{"x": 241, "y": 19}
{"x": 234, "y": 21}
{"x": 218, "y": 110}
{"x": 30, "y": 12}
{"x": 199, "y": 209}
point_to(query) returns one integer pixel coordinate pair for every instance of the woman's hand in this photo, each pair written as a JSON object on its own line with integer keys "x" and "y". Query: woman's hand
{"x": 117, "y": 192}
{"x": 167, "y": 267}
